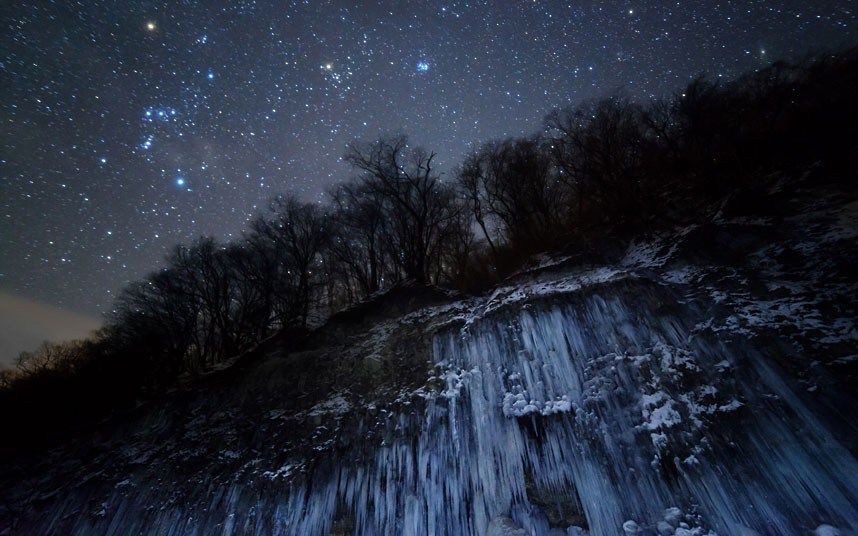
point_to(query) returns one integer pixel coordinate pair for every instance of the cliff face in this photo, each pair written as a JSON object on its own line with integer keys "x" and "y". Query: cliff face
{"x": 697, "y": 382}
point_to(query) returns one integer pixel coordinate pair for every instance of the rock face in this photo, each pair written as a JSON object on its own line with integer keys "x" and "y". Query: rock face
{"x": 700, "y": 383}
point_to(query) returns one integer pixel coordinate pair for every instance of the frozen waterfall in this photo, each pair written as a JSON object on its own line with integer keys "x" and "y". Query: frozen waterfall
{"x": 605, "y": 410}
{"x": 596, "y": 415}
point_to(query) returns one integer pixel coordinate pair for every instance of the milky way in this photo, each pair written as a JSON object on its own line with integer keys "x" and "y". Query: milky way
{"x": 131, "y": 126}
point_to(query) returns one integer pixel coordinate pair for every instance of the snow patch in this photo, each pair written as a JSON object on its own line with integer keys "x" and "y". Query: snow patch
{"x": 336, "y": 405}
{"x": 283, "y": 472}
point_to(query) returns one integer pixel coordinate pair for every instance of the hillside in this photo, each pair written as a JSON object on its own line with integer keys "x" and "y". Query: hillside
{"x": 696, "y": 381}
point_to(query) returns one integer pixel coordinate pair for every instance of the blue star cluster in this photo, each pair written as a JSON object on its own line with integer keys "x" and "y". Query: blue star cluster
{"x": 129, "y": 127}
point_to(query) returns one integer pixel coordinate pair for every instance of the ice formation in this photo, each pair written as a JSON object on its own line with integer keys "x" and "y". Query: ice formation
{"x": 611, "y": 410}
{"x": 603, "y": 402}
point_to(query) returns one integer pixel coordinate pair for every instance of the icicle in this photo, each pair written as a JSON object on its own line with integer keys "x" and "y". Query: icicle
{"x": 601, "y": 403}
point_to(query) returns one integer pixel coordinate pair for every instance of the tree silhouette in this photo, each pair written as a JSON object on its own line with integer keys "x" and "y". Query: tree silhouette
{"x": 416, "y": 204}
{"x": 361, "y": 239}
{"x": 512, "y": 191}
{"x": 597, "y": 148}
{"x": 295, "y": 235}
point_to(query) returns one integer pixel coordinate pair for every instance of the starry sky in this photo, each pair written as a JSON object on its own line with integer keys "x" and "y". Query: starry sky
{"x": 130, "y": 126}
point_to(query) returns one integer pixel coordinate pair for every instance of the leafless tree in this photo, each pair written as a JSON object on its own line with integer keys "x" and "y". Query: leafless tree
{"x": 511, "y": 190}
{"x": 361, "y": 237}
{"x": 416, "y": 204}
{"x": 295, "y": 234}
{"x": 597, "y": 149}
{"x": 62, "y": 357}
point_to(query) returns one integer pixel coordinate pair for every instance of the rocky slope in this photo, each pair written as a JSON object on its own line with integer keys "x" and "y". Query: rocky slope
{"x": 696, "y": 382}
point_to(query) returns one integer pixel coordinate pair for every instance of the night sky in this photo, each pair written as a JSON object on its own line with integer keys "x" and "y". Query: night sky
{"x": 129, "y": 127}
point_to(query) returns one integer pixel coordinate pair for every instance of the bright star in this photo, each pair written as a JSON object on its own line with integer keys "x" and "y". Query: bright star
{"x": 180, "y": 181}
{"x": 422, "y": 66}
{"x": 151, "y": 26}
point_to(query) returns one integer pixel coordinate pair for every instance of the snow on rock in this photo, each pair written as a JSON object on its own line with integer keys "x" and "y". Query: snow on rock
{"x": 655, "y": 253}
{"x": 282, "y": 472}
{"x": 517, "y": 405}
{"x": 504, "y": 297}
{"x": 504, "y": 526}
{"x": 658, "y": 411}
{"x": 665, "y": 529}
{"x": 630, "y": 528}
{"x": 336, "y": 405}
{"x": 454, "y": 381}
{"x": 673, "y": 516}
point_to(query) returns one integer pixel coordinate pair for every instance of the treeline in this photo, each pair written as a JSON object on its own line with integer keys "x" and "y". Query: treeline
{"x": 602, "y": 168}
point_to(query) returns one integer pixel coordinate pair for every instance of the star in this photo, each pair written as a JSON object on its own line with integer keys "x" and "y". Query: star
{"x": 278, "y": 92}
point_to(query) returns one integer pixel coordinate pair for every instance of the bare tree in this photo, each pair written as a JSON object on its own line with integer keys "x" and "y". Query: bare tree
{"x": 252, "y": 292}
{"x": 416, "y": 204}
{"x": 460, "y": 244}
{"x": 63, "y": 357}
{"x": 296, "y": 233}
{"x": 360, "y": 236}
{"x": 156, "y": 320}
{"x": 597, "y": 149}
{"x": 471, "y": 177}
{"x": 511, "y": 188}
{"x": 207, "y": 281}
